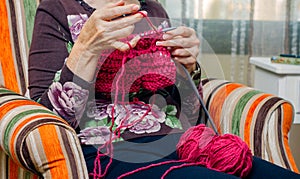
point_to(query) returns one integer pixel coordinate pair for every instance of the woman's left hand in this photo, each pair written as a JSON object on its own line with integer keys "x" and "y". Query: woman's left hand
{"x": 183, "y": 44}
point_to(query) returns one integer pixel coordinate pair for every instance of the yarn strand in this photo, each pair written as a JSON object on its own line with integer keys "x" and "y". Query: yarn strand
{"x": 148, "y": 167}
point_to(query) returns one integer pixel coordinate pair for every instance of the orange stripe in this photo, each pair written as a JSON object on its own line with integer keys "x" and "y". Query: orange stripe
{"x": 13, "y": 154}
{"x": 218, "y": 101}
{"x": 15, "y": 103}
{"x": 21, "y": 102}
{"x": 248, "y": 121}
{"x": 56, "y": 160}
{"x": 13, "y": 169}
{"x": 287, "y": 122}
{"x": 6, "y": 58}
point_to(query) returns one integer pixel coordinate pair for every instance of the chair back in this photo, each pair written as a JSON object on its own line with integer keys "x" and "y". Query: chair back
{"x": 17, "y": 19}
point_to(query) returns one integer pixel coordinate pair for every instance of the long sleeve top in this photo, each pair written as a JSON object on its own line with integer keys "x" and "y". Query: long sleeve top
{"x": 92, "y": 112}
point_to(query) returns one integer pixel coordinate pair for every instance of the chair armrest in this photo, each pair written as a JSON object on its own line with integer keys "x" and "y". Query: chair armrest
{"x": 37, "y": 139}
{"x": 262, "y": 120}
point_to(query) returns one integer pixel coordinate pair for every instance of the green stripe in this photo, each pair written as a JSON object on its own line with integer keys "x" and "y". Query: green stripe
{"x": 30, "y": 10}
{"x": 4, "y": 90}
{"x": 28, "y": 175}
{"x": 24, "y": 173}
{"x": 15, "y": 119}
{"x": 239, "y": 108}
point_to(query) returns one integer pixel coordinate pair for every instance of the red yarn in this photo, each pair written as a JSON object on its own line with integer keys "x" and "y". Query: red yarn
{"x": 225, "y": 153}
{"x": 199, "y": 145}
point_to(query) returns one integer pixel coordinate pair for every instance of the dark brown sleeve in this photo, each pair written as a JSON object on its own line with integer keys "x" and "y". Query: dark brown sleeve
{"x": 48, "y": 50}
{"x": 155, "y": 9}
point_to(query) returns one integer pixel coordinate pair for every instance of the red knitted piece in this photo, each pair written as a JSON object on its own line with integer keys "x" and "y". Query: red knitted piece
{"x": 146, "y": 66}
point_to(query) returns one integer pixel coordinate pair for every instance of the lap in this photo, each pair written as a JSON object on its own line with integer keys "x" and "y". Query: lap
{"x": 144, "y": 155}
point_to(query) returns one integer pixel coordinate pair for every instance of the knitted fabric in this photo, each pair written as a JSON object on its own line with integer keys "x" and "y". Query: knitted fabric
{"x": 146, "y": 66}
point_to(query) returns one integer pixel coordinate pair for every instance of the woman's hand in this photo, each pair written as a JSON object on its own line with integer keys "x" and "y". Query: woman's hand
{"x": 183, "y": 44}
{"x": 103, "y": 30}
{"x": 105, "y": 27}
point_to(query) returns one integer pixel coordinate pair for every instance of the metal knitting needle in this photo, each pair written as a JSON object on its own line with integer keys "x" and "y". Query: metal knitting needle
{"x": 199, "y": 97}
{"x": 168, "y": 29}
{"x": 153, "y": 32}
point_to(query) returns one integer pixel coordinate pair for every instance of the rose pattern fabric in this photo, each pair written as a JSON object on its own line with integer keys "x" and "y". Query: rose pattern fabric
{"x": 95, "y": 135}
{"x": 68, "y": 101}
{"x": 140, "y": 118}
{"x": 76, "y": 23}
{"x": 97, "y": 110}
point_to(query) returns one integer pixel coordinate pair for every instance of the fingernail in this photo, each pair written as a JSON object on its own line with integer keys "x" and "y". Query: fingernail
{"x": 135, "y": 7}
{"x": 158, "y": 43}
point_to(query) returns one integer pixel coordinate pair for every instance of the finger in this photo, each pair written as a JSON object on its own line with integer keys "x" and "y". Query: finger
{"x": 126, "y": 21}
{"x": 121, "y": 46}
{"x": 188, "y": 62}
{"x": 185, "y": 52}
{"x": 108, "y": 14}
{"x": 116, "y": 34}
{"x": 179, "y": 42}
{"x": 119, "y": 3}
{"x": 124, "y": 46}
{"x": 134, "y": 41}
{"x": 179, "y": 31}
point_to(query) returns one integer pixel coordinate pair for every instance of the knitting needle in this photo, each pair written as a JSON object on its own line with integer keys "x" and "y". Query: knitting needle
{"x": 168, "y": 29}
{"x": 199, "y": 98}
{"x": 152, "y": 32}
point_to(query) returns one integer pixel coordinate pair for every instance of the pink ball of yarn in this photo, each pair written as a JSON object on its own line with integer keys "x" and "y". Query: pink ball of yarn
{"x": 225, "y": 153}
{"x": 193, "y": 140}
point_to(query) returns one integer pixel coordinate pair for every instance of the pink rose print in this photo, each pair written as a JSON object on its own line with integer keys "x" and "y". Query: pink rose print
{"x": 68, "y": 101}
{"x": 76, "y": 23}
{"x": 133, "y": 114}
{"x": 95, "y": 135}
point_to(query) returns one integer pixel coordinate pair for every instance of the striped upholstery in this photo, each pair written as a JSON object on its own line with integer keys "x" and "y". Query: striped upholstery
{"x": 16, "y": 21}
{"x": 13, "y": 63}
{"x": 28, "y": 131}
{"x": 262, "y": 120}
{"x": 35, "y": 138}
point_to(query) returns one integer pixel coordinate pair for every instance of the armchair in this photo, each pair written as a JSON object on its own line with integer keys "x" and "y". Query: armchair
{"x": 34, "y": 142}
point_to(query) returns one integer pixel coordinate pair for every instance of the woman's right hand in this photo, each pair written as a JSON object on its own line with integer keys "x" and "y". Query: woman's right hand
{"x": 103, "y": 30}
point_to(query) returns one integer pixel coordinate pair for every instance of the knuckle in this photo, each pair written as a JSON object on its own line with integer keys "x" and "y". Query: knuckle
{"x": 114, "y": 11}
{"x": 184, "y": 43}
{"x": 195, "y": 42}
{"x": 102, "y": 29}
